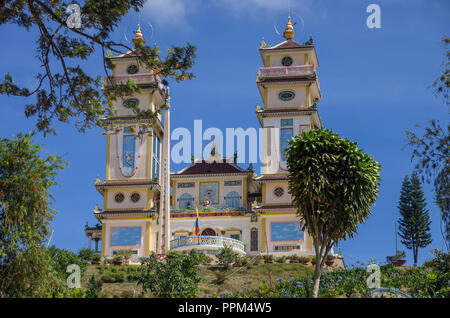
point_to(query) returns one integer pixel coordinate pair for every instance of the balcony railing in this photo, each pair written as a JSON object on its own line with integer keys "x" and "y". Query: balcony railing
{"x": 207, "y": 242}
{"x": 281, "y": 71}
{"x": 137, "y": 78}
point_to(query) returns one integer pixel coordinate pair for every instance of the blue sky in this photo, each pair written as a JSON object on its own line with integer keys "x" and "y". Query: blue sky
{"x": 375, "y": 84}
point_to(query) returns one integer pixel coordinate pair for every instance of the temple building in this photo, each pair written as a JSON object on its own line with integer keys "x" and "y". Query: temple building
{"x": 236, "y": 207}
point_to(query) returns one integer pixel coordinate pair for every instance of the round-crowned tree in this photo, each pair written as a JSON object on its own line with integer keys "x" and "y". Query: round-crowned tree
{"x": 333, "y": 184}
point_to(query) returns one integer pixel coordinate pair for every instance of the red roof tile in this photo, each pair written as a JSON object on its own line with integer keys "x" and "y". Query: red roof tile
{"x": 205, "y": 167}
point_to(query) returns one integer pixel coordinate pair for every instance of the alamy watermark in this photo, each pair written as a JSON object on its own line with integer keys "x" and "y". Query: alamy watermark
{"x": 236, "y": 145}
{"x": 74, "y": 19}
{"x": 374, "y": 19}
{"x": 374, "y": 279}
{"x": 74, "y": 279}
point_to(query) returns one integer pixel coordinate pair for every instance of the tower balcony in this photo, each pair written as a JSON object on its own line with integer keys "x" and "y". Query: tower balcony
{"x": 283, "y": 71}
{"x": 209, "y": 244}
{"x": 140, "y": 79}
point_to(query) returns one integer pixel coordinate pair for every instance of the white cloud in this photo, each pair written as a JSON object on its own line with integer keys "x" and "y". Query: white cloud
{"x": 175, "y": 12}
{"x": 168, "y": 12}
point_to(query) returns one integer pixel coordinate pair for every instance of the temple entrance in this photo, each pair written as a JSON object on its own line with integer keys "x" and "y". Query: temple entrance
{"x": 208, "y": 232}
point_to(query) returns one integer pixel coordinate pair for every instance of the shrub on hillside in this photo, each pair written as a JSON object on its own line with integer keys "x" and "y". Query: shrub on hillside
{"x": 303, "y": 260}
{"x": 86, "y": 254}
{"x": 226, "y": 257}
{"x": 108, "y": 277}
{"x": 268, "y": 258}
{"x": 281, "y": 259}
{"x": 176, "y": 276}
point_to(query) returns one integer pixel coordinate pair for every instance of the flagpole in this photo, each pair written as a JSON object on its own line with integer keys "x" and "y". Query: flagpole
{"x": 164, "y": 210}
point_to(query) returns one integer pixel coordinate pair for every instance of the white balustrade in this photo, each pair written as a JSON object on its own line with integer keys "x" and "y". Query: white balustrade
{"x": 280, "y": 71}
{"x": 210, "y": 241}
{"x": 137, "y": 78}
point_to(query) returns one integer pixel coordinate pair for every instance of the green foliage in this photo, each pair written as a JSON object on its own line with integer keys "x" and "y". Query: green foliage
{"x": 334, "y": 184}
{"x": 62, "y": 258}
{"x": 94, "y": 287}
{"x": 177, "y": 276}
{"x": 25, "y": 215}
{"x": 221, "y": 277}
{"x": 87, "y": 255}
{"x": 64, "y": 90}
{"x": 399, "y": 255}
{"x": 114, "y": 277}
{"x": 414, "y": 223}
{"x": 431, "y": 150}
{"x": 117, "y": 259}
{"x": 268, "y": 258}
{"x": 281, "y": 259}
{"x": 298, "y": 259}
{"x": 293, "y": 258}
{"x": 125, "y": 254}
{"x": 108, "y": 277}
{"x": 207, "y": 260}
{"x": 416, "y": 281}
{"x": 96, "y": 259}
{"x": 226, "y": 257}
{"x": 440, "y": 262}
{"x": 303, "y": 260}
{"x": 242, "y": 261}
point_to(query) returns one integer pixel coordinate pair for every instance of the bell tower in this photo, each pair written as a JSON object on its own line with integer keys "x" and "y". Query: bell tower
{"x": 132, "y": 186}
{"x": 289, "y": 87}
{"x": 290, "y": 90}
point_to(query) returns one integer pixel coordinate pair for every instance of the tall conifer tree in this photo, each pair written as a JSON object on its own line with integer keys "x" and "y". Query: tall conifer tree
{"x": 414, "y": 223}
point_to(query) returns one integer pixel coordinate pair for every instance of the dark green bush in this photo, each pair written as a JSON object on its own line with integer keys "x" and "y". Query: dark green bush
{"x": 177, "y": 276}
{"x": 108, "y": 277}
{"x": 120, "y": 277}
{"x": 281, "y": 259}
{"x": 226, "y": 257}
{"x": 86, "y": 254}
{"x": 303, "y": 260}
{"x": 268, "y": 258}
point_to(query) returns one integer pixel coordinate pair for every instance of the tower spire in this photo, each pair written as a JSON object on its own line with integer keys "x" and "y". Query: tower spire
{"x": 138, "y": 37}
{"x": 289, "y": 30}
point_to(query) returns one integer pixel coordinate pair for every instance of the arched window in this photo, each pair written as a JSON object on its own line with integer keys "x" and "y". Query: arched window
{"x": 208, "y": 232}
{"x": 233, "y": 200}
{"x": 254, "y": 240}
{"x": 186, "y": 201}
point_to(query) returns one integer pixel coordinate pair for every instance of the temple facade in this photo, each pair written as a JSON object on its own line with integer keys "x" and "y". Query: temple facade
{"x": 251, "y": 213}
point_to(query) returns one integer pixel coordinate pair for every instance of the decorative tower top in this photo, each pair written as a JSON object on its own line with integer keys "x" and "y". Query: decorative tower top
{"x": 138, "y": 37}
{"x": 289, "y": 30}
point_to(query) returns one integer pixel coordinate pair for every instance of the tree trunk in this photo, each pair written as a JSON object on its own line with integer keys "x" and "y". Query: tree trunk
{"x": 316, "y": 279}
{"x": 415, "y": 250}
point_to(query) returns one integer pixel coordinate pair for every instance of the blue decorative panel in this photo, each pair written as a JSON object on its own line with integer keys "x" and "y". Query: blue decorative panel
{"x": 209, "y": 191}
{"x": 125, "y": 236}
{"x": 285, "y": 136}
{"x": 128, "y": 151}
{"x": 286, "y": 231}
{"x": 287, "y": 122}
{"x": 233, "y": 183}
